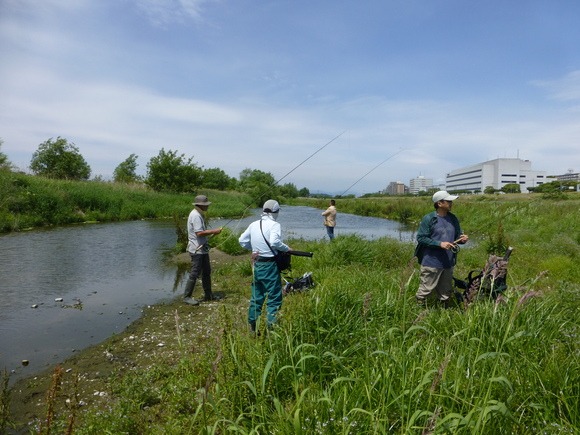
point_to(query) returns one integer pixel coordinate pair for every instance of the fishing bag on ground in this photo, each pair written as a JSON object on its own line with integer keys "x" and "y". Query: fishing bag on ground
{"x": 489, "y": 282}
{"x": 303, "y": 283}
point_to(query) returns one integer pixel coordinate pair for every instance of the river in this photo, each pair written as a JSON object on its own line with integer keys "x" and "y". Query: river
{"x": 67, "y": 288}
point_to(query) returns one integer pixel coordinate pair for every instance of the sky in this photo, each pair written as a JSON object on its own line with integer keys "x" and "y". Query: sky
{"x": 337, "y": 96}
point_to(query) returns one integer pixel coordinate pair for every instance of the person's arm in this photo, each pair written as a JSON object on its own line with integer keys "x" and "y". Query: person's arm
{"x": 205, "y": 233}
{"x": 276, "y": 238}
{"x": 245, "y": 240}
{"x": 424, "y": 233}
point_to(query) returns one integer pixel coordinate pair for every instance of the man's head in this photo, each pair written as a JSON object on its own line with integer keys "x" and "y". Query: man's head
{"x": 332, "y": 202}
{"x": 202, "y": 202}
{"x": 443, "y": 196}
{"x": 271, "y": 206}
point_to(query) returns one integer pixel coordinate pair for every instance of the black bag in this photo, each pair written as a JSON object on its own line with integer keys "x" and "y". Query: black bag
{"x": 305, "y": 282}
{"x": 283, "y": 261}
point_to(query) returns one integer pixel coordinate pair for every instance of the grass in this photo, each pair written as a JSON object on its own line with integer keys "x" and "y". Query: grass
{"x": 355, "y": 355}
{"x": 29, "y": 201}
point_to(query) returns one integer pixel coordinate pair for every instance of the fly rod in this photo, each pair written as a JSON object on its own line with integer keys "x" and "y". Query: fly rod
{"x": 384, "y": 161}
{"x": 289, "y": 172}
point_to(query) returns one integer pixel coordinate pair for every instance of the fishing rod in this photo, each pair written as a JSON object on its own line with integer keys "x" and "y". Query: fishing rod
{"x": 288, "y": 173}
{"x": 276, "y": 183}
{"x": 384, "y": 161}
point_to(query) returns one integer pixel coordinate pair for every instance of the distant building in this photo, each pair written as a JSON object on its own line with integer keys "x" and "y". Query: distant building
{"x": 495, "y": 173}
{"x": 396, "y": 188}
{"x": 420, "y": 184}
{"x": 569, "y": 176}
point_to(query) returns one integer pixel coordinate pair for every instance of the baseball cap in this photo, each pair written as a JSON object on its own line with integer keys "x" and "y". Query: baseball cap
{"x": 271, "y": 206}
{"x": 443, "y": 195}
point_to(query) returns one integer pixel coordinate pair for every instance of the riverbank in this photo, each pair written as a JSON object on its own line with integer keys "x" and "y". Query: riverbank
{"x": 162, "y": 333}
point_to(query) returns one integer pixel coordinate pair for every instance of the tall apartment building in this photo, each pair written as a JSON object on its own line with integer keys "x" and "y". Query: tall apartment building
{"x": 495, "y": 173}
{"x": 396, "y": 188}
{"x": 420, "y": 184}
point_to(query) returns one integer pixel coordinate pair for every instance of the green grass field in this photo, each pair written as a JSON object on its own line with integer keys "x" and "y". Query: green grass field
{"x": 356, "y": 355}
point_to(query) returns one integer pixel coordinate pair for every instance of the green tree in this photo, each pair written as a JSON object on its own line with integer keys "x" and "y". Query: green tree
{"x": 489, "y": 190}
{"x": 126, "y": 171}
{"x": 511, "y": 188}
{"x": 215, "y": 178}
{"x": 259, "y": 185}
{"x": 304, "y": 192}
{"x": 289, "y": 190}
{"x": 59, "y": 159}
{"x": 172, "y": 173}
{"x": 4, "y": 163}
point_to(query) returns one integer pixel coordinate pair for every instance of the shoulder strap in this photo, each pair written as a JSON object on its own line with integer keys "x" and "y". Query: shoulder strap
{"x": 266, "y": 240}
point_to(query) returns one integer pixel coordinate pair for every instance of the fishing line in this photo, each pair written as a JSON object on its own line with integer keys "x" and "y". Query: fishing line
{"x": 384, "y": 161}
{"x": 276, "y": 183}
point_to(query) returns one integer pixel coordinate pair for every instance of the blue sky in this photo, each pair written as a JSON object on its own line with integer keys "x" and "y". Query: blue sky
{"x": 425, "y": 86}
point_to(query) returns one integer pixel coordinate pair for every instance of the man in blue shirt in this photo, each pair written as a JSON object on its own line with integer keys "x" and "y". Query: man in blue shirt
{"x": 267, "y": 282}
{"x": 438, "y": 236}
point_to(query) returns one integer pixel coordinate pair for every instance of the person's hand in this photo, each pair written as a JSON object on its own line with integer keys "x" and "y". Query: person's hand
{"x": 218, "y": 230}
{"x": 447, "y": 245}
{"x": 462, "y": 239}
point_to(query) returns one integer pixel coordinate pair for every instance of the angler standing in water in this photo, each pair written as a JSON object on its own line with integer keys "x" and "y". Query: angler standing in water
{"x": 438, "y": 236}
{"x": 264, "y": 238}
{"x": 330, "y": 219}
{"x": 198, "y": 249}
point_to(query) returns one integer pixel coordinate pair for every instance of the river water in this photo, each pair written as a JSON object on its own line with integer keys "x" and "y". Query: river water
{"x": 67, "y": 288}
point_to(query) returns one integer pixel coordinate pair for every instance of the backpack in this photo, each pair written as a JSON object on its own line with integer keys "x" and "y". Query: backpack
{"x": 489, "y": 282}
{"x": 303, "y": 283}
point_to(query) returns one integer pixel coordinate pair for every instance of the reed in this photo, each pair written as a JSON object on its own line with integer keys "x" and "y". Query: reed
{"x": 355, "y": 355}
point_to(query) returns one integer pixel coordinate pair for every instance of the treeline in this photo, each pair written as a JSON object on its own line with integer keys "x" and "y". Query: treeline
{"x": 168, "y": 171}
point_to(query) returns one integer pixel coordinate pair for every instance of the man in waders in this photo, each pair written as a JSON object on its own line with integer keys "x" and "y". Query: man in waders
{"x": 198, "y": 249}
{"x": 262, "y": 237}
{"x": 437, "y": 239}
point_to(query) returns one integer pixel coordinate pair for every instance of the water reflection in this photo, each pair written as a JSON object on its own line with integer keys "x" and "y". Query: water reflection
{"x": 112, "y": 271}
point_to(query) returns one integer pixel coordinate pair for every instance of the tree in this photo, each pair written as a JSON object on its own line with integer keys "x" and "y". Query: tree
{"x": 59, "y": 159}
{"x": 215, "y": 178}
{"x": 489, "y": 190}
{"x": 511, "y": 188}
{"x": 304, "y": 192}
{"x": 259, "y": 185}
{"x": 4, "y": 163}
{"x": 125, "y": 172}
{"x": 170, "y": 172}
{"x": 289, "y": 190}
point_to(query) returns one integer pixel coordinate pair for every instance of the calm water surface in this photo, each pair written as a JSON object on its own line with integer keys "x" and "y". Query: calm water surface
{"x": 112, "y": 271}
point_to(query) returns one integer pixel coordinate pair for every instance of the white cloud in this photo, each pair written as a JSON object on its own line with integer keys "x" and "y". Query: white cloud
{"x": 566, "y": 88}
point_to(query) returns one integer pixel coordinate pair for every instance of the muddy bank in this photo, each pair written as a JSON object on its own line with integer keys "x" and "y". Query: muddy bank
{"x": 162, "y": 333}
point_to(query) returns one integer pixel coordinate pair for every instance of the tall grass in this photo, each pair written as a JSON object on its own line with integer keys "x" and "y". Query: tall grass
{"x": 29, "y": 201}
{"x": 356, "y": 355}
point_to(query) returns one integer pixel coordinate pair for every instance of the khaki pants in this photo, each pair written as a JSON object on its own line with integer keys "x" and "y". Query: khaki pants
{"x": 435, "y": 280}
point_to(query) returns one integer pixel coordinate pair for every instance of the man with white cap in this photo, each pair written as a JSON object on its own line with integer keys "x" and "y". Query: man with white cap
{"x": 437, "y": 239}
{"x": 198, "y": 249}
{"x": 262, "y": 237}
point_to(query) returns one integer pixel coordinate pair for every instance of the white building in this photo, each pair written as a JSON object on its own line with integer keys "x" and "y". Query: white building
{"x": 420, "y": 184}
{"x": 495, "y": 173}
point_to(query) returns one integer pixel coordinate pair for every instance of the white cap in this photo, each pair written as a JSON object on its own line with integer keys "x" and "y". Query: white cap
{"x": 271, "y": 206}
{"x": 443, "y": 195}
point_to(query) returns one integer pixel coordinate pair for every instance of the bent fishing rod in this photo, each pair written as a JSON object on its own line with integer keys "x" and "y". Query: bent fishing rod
{"x": 304, "y": 254}
{"x": 288, "y": 173}
{"x": 384, "y": 161}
